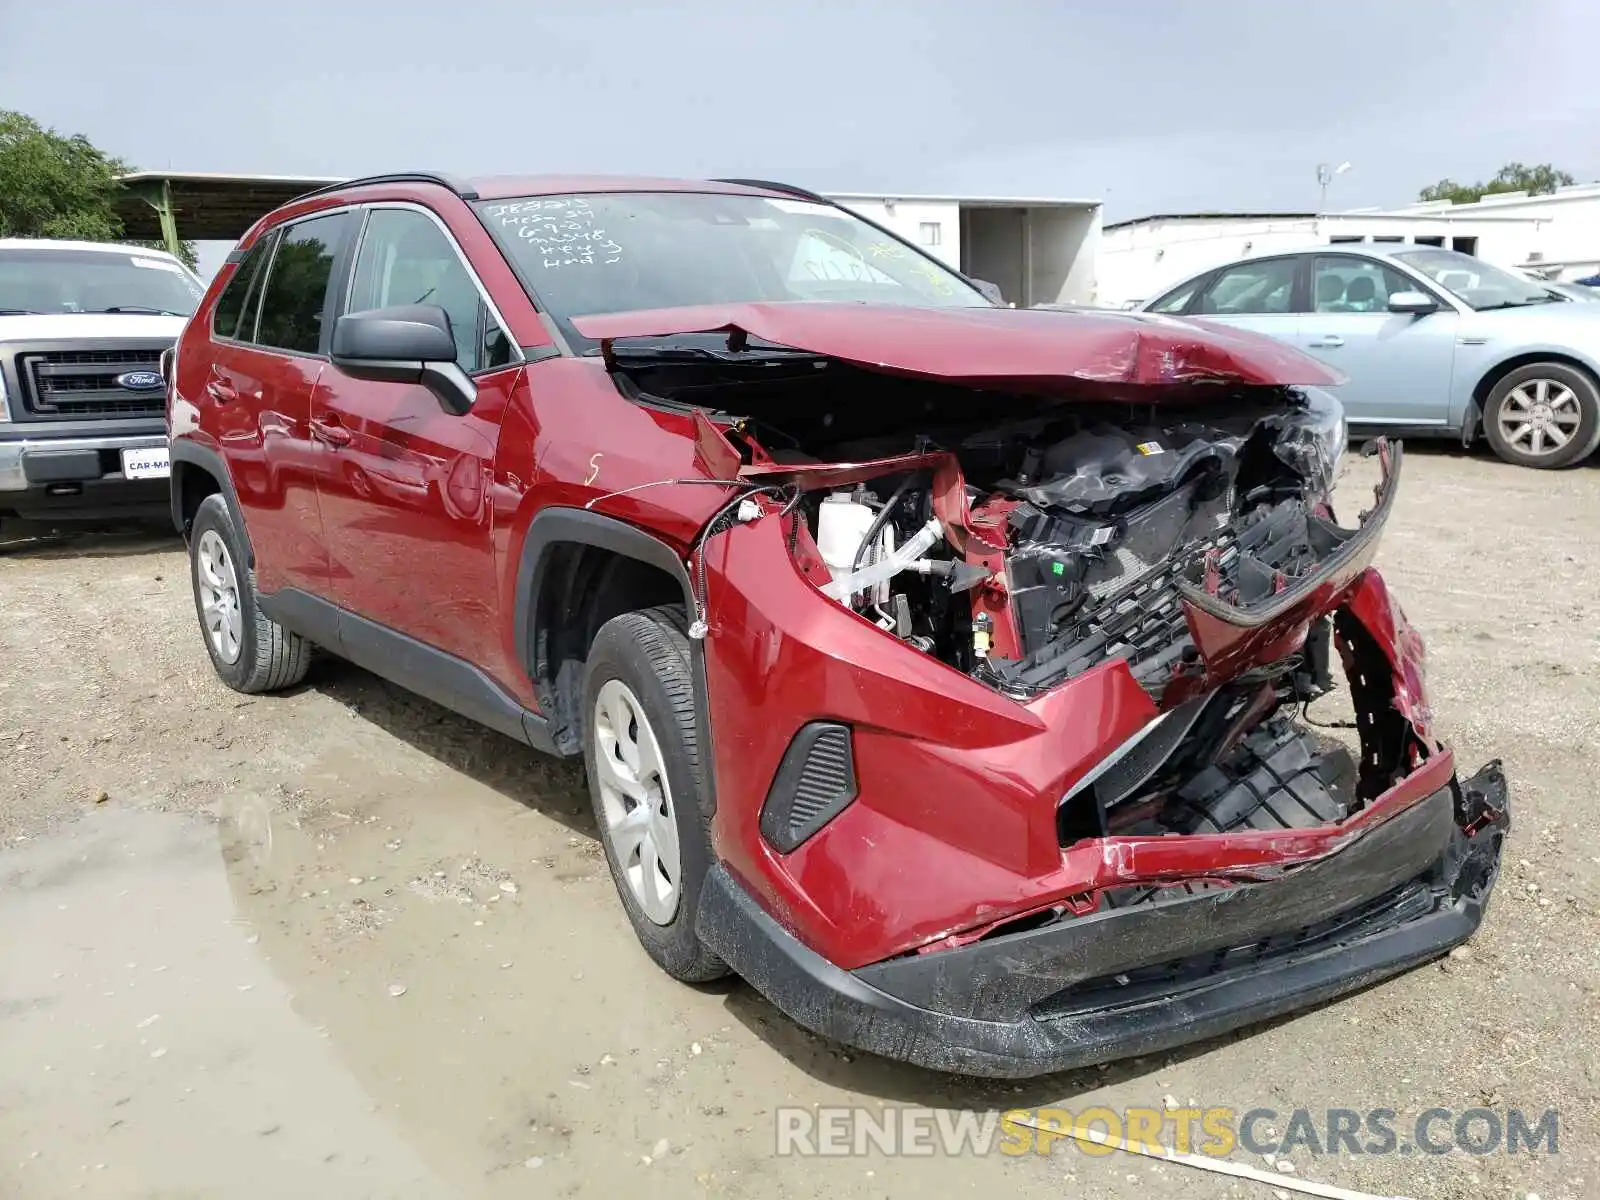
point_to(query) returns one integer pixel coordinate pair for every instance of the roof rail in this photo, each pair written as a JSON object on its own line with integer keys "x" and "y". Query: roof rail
{"x": 770, "y": 186}
{"x": 459, "y": 187}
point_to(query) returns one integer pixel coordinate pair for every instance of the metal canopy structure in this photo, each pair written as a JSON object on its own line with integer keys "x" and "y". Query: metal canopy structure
{"x": 203, "y": 206}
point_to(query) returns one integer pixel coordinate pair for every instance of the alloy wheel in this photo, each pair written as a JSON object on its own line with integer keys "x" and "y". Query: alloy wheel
{"x": 636, "y": 801}
{"x": 219, "y": 597}
{"x": 1539, "y": 417}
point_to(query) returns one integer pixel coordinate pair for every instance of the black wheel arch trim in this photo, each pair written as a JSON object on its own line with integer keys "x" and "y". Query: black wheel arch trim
{"x": 182, "y": 450}
{"x": 558, "y": 526}
{"x": 553, "y": 527}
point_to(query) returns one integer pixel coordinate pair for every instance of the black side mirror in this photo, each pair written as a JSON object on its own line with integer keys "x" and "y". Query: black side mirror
{"x": 990, "y": 290}
{"x": 409, "y": 343}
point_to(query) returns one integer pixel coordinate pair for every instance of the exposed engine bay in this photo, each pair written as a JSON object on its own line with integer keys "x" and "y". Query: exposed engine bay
{"x": 1026, "y": 539}
{"x": 1090, "y": 532}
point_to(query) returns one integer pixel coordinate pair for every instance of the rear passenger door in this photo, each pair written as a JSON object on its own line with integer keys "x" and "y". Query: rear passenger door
{"x": 269, "y": 350}
{"x": 1263, "y": 295}
{"x": 405, "y": 495}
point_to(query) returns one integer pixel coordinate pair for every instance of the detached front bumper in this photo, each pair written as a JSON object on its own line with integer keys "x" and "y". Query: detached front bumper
{"x": 1144, "y": 978}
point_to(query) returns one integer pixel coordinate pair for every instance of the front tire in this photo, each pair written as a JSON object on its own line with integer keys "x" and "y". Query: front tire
{"x": 251, "y": 652}
{"x": 1544, "y": 415}
{"x": 643, "y": 760}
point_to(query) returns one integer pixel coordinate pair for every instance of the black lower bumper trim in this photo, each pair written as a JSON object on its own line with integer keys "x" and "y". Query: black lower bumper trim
{"x": 1433, "y": 910}
{"x": 106, "y": 499}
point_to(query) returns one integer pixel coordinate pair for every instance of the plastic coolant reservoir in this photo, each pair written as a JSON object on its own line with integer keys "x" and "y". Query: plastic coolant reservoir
{"x": 842, "y": 523}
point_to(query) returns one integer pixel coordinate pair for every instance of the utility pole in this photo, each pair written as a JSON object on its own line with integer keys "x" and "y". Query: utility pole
{"x": 1325, "y": 176}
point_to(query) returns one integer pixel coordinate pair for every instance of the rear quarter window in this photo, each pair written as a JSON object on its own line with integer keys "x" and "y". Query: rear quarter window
{"x": 225, "y": 318}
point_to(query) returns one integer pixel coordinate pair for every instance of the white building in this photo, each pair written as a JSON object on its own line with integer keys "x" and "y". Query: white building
{"x": 1568, "y": 241}
{"x": 1140, "y": 259}
{"x": 1035, "y": 251}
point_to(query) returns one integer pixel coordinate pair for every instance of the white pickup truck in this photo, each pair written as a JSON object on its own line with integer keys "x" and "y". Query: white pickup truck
{"x": 82, "y": 329}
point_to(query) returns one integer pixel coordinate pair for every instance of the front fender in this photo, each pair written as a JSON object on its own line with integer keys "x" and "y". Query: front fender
{"x": 1485, "y": 354}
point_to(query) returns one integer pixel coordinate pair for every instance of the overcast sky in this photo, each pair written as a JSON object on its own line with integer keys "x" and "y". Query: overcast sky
{"x": 1150, "y": 105}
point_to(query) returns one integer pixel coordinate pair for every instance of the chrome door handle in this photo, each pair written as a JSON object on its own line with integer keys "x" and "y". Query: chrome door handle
{"x": 1330, "y": 341}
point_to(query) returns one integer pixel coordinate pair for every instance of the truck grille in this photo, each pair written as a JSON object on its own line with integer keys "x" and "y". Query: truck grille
{"x": 83, "y": 383}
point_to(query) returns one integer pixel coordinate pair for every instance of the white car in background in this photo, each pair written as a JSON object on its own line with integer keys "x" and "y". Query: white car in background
{"x": 83, "y": 326}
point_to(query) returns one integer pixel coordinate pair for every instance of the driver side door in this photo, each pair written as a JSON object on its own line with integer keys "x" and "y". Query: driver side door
{"x": 405, "y": 489}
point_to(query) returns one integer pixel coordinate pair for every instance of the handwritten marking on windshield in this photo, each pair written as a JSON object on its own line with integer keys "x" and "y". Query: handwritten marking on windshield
{"x": 851, "y": 270}
{"x": 830, "y": 257}
{"x": 562, "y": 230}
{"x": 935, "y": 279}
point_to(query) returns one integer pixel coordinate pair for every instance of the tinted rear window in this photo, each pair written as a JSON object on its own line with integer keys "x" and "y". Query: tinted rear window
{"x": 296, "y": 295}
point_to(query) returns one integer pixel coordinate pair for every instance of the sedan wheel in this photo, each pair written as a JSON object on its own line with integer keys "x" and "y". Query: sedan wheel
{"x": 1540, "y": 417}
{"x": 636, "y": 801}
{"x": 1544, "y": 415}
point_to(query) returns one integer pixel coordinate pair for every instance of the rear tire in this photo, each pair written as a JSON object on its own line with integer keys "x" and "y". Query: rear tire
{"x": 251, "y": 652}
{"x": 642, "y": 756}
{"x": 1531, "y": 407}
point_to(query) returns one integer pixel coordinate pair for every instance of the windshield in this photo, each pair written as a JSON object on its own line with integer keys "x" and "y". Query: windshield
{"x": 49, "y": 280}
{"x": 1575, "y": 291}
{"x": 1474, "y": 281}
{"x": 626, "y": 251}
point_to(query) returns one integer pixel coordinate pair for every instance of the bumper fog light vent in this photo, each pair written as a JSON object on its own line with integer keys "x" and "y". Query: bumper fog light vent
{"x": 815, "y": 782}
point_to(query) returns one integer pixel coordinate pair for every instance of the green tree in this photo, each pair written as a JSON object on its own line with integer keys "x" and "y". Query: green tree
{"x": 53, "y": 186}
{"x": 1540, "y": 180}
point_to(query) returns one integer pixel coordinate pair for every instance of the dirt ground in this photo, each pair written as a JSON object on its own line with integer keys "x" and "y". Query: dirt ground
{"x": 343, "y": 943}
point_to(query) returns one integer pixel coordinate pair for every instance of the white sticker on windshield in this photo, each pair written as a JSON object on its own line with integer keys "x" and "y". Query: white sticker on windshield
{"x": 807, "y": 208}
{"x": 157, "y": 264}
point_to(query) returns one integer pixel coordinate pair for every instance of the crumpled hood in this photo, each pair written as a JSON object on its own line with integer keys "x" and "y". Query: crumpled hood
{"x": 995, "y": 347}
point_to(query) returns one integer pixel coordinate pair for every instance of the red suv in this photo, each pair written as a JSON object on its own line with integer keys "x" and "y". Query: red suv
{"x": 935, "y": 664}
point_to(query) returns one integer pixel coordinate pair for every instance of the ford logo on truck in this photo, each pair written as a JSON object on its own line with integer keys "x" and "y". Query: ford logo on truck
{"x": 141, "y": 381}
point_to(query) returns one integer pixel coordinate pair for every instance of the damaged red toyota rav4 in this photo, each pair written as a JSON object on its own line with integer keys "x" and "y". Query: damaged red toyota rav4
{"x": 935, "y": 665}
